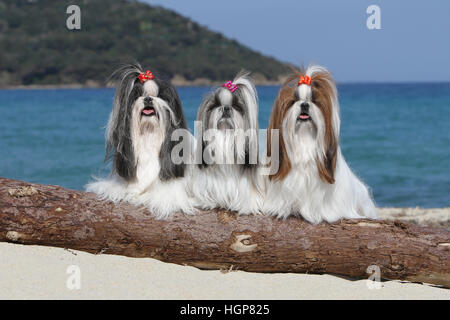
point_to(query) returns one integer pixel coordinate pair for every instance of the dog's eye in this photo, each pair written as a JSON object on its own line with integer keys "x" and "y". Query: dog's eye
{"x": 238, "y": 107}
{"x": 290, "y": 103}
{"x": 212, "y": 106}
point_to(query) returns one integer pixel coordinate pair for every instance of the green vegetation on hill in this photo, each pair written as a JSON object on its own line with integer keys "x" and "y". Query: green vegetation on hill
{"x": 37, "y": 48}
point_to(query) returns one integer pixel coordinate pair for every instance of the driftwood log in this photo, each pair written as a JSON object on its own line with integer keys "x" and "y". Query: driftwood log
{"x": 54, "y": 216}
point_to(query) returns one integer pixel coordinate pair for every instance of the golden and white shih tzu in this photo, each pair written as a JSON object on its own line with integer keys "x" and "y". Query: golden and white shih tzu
{"x": 146, "y": 111}
{"x": 226, "y": 176}
{"x": 313, "y": 180}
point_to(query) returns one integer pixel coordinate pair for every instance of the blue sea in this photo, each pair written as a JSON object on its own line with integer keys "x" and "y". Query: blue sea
{"x": 396, "y": 137}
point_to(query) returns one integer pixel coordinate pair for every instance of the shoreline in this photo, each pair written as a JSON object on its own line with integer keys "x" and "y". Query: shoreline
{"x": 186, "y": 83}
{"x": 78, "y": 87}
{"x": 94, "y": 85}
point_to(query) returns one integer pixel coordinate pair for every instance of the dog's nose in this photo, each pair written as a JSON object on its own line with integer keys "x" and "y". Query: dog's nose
{"x": 148, "y": 101}
{"x": 226, "y": 112}
{"x": 304, "y": 107}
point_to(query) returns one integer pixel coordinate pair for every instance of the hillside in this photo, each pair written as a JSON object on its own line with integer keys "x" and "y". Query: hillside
{"x": 36, "y": 48}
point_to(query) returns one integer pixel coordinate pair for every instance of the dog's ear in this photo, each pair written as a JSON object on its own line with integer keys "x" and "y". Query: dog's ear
{"x": 203, "y": 116}
{"x": 125, "y": 163}
{"x": 283, "y": 102}
{"x": 327, "y": 164}
{"x": 119, "y": 146}
{"x": 251, "y": 148}
{"x": 248, "y": 94}
{"x": 170, "y": 170}
{"x": 324, "y": 95}
{"x": 201, "y": 144}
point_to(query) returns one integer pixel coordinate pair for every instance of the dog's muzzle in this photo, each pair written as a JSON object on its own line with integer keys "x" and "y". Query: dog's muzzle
{"x": 304, "y": 112}
{"x": 148, "y": 110}
{"x": 226, "y": 122}
{"x": 226, "y": 112}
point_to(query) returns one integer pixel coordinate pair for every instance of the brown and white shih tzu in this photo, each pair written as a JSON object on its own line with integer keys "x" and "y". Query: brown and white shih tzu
{"x": 146, "y": 111}
{"x": 227, "y": 158}
{"x": 313, "y": 180}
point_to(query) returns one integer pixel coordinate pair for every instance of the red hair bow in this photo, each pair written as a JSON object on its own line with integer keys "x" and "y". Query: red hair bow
{"x": 304, "y": 80}
{"x": 146, "y": 76}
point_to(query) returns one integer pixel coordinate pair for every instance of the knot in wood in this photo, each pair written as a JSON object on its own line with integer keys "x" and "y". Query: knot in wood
{"x": 22, "y": 191}
{"x": 243, "y": 243}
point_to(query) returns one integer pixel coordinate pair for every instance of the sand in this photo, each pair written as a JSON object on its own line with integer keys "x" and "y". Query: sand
{"x": 37, "y": 272}
{"x": 437, "y": 217}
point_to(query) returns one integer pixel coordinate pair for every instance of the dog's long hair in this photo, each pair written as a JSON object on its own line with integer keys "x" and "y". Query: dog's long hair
{"x": 313, "y": 179}
{"x": 139, "y": 143}
{"x": 243, "y": 113}
{"x": 119, "y": 134}
{"x": 323, "y": 93}
{"x": 232, "y": 115}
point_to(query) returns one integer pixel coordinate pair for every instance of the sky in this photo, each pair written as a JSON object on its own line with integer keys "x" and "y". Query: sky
{"x": 412, "y": 45}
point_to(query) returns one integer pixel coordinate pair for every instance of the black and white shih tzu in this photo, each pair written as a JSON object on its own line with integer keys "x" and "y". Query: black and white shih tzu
{"x": 226, "y": 175}
{"x": 313, "y": 180}
{"x": 146, "y": 111}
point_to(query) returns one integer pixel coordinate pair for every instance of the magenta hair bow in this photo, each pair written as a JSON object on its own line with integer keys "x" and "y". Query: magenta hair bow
{"x": 230, "y": 86}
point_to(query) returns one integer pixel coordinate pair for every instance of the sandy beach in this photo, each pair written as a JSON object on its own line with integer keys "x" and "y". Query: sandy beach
{"x": 435, "y": 217}
{"x": 37, "y": 272}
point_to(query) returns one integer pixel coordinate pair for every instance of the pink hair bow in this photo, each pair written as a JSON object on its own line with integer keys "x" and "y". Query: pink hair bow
{"x": 230, "y": 86}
